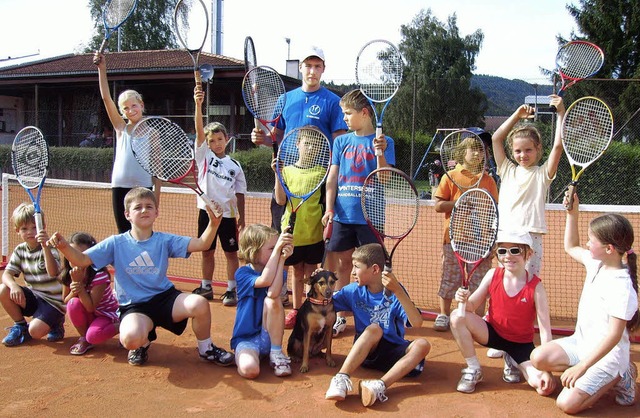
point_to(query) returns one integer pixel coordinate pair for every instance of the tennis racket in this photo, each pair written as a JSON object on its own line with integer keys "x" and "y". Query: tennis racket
{"x": 165, "y": 151}
{"x": 303, "y": 161}
{"x": 390, "y": 206}
{"x": 379, "y": 74}
{"x": 575, "y": 61}
{"x": 473, "y": 230}
{"x": 587, "y": 132}
{"x": 326, "y": 236}
{"x": 250, "y": 62}
{"x": 114, "y": 14}
{"x": 191, "y": 23}
{"x": 264, "y": 95}
{"x": 30, "y": 162}
{"x": 466, "y": 149}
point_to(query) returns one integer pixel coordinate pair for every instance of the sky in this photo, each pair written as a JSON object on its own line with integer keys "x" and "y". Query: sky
{"x": 519, "y": 37}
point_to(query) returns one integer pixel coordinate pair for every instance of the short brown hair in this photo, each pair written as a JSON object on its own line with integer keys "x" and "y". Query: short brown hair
{"x": 369, "y": 254}
{"x": 139, "y": 193}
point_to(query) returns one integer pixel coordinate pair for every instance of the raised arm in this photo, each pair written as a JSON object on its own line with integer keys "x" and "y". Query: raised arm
{"x": 112, "y": 110}
{"x": 500, "y": 135}
{"x": 556, "y": 150}
{"x": 198, "y": 98}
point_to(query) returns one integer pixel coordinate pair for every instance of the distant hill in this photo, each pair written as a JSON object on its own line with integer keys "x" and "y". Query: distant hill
{"x": 505, "y": 95}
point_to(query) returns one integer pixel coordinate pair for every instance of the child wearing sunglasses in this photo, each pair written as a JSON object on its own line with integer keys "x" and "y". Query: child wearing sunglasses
{"x": 516, "y": 299}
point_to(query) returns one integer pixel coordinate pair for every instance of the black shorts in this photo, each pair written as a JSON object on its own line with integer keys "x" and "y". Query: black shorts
{"x": 387, "y": 354}
{"x": 160, "y": 310}
{"x": 520, "y": 352}
{"x": 347, "y": 236}
{"x": 309, "y": 254}
{"x": 227, "y": 232}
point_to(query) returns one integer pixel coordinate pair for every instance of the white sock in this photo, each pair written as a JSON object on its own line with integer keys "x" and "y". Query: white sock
{"x": 204, "y": 345}
{"x": 473, "y": 363}
{"x": 206, "y": 283}
{"x": 231, "y": 284}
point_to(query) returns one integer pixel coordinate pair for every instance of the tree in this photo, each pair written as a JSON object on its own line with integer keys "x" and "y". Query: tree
{"x": 440, "y": 64}
{"x": 150, "y": 27}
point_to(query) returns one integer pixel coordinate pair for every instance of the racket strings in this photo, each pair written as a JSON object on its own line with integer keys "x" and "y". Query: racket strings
{"x": 390, "y": 202}
{"x": 474, "y": 225}
{"x": 263, "y": 92}
{"x": 379, "y": 70}
{"x": 30, "y": 157}
{"x": 466, "y": 149}
{"x": 116, "y": 11}
{"x": 303, "y": 161}
{"x": 579, "y": 60}
{"x": 588, "y": 127}
{"x": 191, "y": 23}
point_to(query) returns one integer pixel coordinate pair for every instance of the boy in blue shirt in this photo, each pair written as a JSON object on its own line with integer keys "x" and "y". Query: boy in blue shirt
{"x": 146, "y": 297}
{"x": 382, "y": 309}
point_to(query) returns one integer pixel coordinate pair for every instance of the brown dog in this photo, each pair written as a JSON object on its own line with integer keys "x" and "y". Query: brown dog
{"x": 314, "y": 322}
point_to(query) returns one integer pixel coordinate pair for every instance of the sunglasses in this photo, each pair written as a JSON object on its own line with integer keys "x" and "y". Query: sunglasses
{"x": 512, "y": 251}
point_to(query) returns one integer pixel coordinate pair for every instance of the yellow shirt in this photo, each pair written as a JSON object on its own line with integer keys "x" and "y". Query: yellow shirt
{"x": 308, "y": 227}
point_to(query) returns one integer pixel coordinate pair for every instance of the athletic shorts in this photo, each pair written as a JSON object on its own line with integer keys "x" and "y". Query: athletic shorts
{"x": 452, "y": 276}
{"x": 38, "y": 308}
{"x": 347, "y": 236}
{"x": 160, "y": 310}
{"x": 520, "y": 352}
{"x": 227, "y": 232}
{"x": 387, "y": 354}
{"x": 309, "y": 254}
{"x": 259, "y": 344}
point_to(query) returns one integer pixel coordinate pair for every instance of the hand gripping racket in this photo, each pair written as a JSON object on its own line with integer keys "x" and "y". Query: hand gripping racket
{"x": 114, "y": 14}
{"x": 326, "y": 236}
{"x": 466, "y": 149}
{"x": 473, "y": 230}
{"x": 191, "y": 23}
{"x": 587, "y": 132}
{"x": 250, "y": 62}
{"x": 303, "y": 161}
{"x": 165, "y": 151}
{"x": 264, "y": 95}
{"x": 30, "y": 161}
{"x": 379, "y": 74}
{"x": 390, "y": 206}
{"x": 575, "y": 61}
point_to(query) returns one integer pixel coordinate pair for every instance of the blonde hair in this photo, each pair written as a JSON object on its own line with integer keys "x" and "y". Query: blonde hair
{"x": 369, "y": 254}
{"x": 129, "y": 94}
{"x": 24, "y": 214}
{"x": 252, "y": 238}
{"x": 461, "y": 149}
{"x": 526, "y": 131}
{"x": 138, "y": 193}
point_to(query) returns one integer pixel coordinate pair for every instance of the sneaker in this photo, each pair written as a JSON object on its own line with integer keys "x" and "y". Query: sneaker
{"x": 218, "y": 356}
{"x": 511, "y": 373}
{"x": 441, "y": 323}
{"x": 340, "y": 325}
{"x": 17, "y": 335}
{"x": 493, "y": 353}
{"x": 280, "y": 363}
{"x": 206, "y": 292}
{"x": 372, "y": 391}
{"x": 290, "y": 319}
{"x": 56, "y": 333}
{"x": 469, "y": 379}
{"x": 625, "y": 389}
{"x": 230, "y": 298}
{"x": 339, "y": 387}
{"x": 139, "y": 356}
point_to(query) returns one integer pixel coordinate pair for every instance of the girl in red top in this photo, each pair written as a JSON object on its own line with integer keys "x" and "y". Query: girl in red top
{"x": 516, "y": 300}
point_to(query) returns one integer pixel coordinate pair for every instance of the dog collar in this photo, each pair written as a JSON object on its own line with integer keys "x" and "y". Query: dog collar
{"x": 323, "y": 302}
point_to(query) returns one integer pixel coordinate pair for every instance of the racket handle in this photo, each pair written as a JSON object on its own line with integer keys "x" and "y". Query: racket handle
{"x": 292, "y": 222}
{"x": 552, "y": 107}
{"x": 215, "y": 207}
{"x": 39, "y": 223}
{"x": 462, "y": 306}
{"x": 198, "y": 77}
{"x": 573, "y": 187}
{"x": 378, "y": 133}
{"x": 103, "y": 45}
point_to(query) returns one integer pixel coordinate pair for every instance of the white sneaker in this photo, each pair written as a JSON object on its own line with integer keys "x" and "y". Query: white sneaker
{"x": 371, "y": 391}
{"x": 340, "y": 325}
{"x": 493, "y": 353}
{"x": 469, "y": 379}
{"x": 281, "y": 364}
{"x": 511, "y": 373}
{"x": 339, "y": 387}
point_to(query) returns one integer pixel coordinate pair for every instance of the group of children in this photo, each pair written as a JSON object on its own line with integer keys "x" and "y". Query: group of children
{"x": 592, "y": 361}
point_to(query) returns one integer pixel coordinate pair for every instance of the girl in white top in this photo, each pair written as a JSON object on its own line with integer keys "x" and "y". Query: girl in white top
{"x": 524, "y": 185}
{"x": 127, "y": 173}
{"x": 596, "y": 356}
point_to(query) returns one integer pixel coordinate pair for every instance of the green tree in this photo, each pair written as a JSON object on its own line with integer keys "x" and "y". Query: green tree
{"x": 150, "y": 27}
{"x": 439, "y": 64}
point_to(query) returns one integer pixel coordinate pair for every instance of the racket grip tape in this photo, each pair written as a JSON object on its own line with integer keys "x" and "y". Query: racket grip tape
{"x": 103, "y": 45}
{"x": 39, "y": 224}
{"x": 292, "y": 221}
{"x": 378, "y": 151}
{"x": 462, "y": 306}
{"x": 214, "y": 206}
{"x": 198, "y": 77}
{"x": 573, "y": 188}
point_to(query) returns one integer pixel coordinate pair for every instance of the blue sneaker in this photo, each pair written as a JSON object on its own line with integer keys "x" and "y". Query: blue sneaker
{"x": 18, "y": 334}
{"x": 56, "y": 333}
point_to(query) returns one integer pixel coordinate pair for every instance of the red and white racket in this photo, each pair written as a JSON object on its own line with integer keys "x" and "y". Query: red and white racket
{"x": 577, "y": 60}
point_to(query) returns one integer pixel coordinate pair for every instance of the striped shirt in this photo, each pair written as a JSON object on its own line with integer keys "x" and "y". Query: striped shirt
{"x": 108, "y": 305}
{"x": 31, "y": 264}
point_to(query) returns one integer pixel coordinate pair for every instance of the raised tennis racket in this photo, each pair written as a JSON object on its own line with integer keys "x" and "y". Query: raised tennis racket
{"x": 264, "y": 95}
{"x": 466, "y": 149}
{"x": 191, "y": 23}
{"x": 250, "y": 62}
{"x": 390, "y": 206}
{"x": 30, "y": 161}
{"x": 303, "y": 161}
{"x": 473, "y": 230}
{"x": 575, "y": 61}
{"x": 164, "y": 150}
{"x": 587, "y": 132}
{"x": 114, "y": 14}
{"x": 379, "y": 74}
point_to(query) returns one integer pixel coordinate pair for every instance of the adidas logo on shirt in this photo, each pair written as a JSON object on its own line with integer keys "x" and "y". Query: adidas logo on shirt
{"x": 142, "y": 264}
{"x": 523, "y": 300}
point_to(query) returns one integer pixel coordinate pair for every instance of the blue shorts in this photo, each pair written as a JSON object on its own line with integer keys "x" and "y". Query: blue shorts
{"x": 347, "y": 236}
{"x": 260, "y": 344}
{"x": 160, "y": 310}
{"x": 38, "y": 308}
{"x": 387, "y": 354}
{"x": 520, "y": 352}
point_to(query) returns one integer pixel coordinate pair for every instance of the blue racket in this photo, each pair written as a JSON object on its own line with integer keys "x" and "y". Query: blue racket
{"x": 114, "y": 14}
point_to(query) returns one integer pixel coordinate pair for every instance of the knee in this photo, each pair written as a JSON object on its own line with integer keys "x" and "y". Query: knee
{"x": 200, "y": 308}
{"x": 423, "y": 346}
{"x": 456, "y": 321}
{"x": 537, "y": 359}
{"x": 249, "y": 372}
{"x": 567, "y": 406}
{"x": 74, "y": 305}
{"x": 273, "y": 305}
{"x": 4, "y": 291}
{"x": 374, "y": 330}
